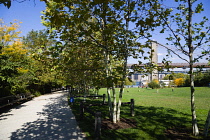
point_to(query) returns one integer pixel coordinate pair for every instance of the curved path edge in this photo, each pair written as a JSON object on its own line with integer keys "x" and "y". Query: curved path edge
{"x": 44, "y": 117}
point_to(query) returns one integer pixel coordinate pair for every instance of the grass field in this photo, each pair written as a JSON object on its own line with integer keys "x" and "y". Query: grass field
{"x": 155, "y": 112}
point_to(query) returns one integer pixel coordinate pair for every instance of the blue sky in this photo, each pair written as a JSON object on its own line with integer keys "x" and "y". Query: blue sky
{"x": 28, "y": 12}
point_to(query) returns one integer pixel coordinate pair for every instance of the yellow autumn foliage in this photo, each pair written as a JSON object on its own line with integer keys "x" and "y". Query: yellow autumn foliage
{"x": 6, "y": 37}
{"x": 11, "y": 41}
{"x": 22, "y": 70}
{"x": 14, "y": 49}
{"x": 179, "y": 81}
{"x": 12, "y": 28}
{"x": 9, "y": 33}
{"x": 156, "y": 81}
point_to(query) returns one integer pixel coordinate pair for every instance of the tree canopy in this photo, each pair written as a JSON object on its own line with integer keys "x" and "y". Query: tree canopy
{"x": 95, "y": 38}
{"x": 14, "y": 61}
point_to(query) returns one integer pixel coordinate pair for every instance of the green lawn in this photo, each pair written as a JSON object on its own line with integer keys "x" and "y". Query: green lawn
{"x": 155, "y": 112}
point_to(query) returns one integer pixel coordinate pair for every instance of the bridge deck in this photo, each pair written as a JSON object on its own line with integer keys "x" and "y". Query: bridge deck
{"x": 179, "y": 65}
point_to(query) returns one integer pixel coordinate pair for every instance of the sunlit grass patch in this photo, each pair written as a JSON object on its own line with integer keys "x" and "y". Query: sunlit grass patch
{"x": 154, "y": 112}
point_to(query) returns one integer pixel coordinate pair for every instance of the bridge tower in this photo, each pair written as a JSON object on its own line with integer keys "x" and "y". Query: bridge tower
{"x": 154, "y": 60}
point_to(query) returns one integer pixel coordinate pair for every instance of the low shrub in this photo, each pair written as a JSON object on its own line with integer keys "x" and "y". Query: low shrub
{"x": 154, "y": 84}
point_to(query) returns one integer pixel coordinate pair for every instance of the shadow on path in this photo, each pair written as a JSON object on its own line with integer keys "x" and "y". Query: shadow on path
{"x": 56, "y": 121}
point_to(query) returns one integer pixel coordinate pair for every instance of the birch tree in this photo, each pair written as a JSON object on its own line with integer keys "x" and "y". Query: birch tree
{"x": 113, "y": 27}
{"x": 190, "y": 39}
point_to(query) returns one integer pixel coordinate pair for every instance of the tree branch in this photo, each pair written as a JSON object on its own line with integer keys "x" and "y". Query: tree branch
{"x": 176, "y": 38}
{"x": 201, "y": 56}
{"x": 199, "y": 44}
{"x": 170, "y": 50}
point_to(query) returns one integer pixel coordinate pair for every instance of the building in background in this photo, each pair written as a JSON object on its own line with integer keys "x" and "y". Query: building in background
{"x": 142, "y": 79}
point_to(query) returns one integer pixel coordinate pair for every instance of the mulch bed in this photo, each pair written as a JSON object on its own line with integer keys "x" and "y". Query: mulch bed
{"x": 172, "y": 133}
{"x": 123, "y": 124}
{"x": 182, "y": 134}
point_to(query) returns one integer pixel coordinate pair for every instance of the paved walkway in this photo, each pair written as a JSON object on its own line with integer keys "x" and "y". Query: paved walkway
{"x": 46, "y": 117}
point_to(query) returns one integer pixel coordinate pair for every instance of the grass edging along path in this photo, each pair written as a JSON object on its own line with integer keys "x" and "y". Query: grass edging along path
{"x": 162, "y": 115}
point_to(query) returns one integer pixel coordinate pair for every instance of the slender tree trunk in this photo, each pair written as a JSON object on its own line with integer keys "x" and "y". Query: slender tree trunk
{"x": 124, "y": 65}
{"x": 194, "y": 120}
{"x": 123, "y": 82}
{"x": 114, "y": 113}
{"x": 109, "y": 102}
{"x": 191, "y": 50}
{"x": 119, "y": 102}
{"x": 107, "y": 61}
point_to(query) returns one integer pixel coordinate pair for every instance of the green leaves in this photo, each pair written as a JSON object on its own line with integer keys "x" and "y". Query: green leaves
{"x": 199, "y": 8}
{"x": 6, "y": 3}
{"x": 162, "y": 31}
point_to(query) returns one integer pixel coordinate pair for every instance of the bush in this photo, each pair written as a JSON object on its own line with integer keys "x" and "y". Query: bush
{"x": 162, "y": 84}
{"x": 201, "y": 79}
{"x": 154, "y": 84}
{"x": 37, "y": 93}
{"x": 179, "y": 81}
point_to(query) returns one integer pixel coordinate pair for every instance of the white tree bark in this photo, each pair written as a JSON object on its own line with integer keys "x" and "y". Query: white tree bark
{"x": 125, "y": 64}
{"x": 114, "y": 113}
{"x": 191, "y": 50}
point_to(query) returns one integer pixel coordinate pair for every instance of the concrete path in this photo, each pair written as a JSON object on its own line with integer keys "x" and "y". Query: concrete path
{"x": 47, "y": 117}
